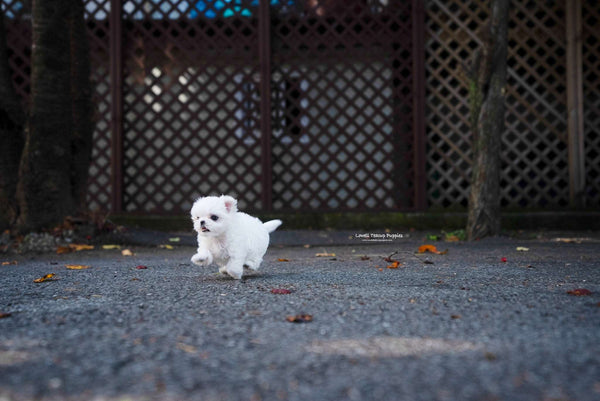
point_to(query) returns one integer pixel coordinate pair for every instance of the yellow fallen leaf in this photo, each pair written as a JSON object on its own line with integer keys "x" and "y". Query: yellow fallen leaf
{"x": 81, "y": 247}
{"x": 283, "y": 260}
{"x": 166, "y": 246}
{"x": 324, "y": 255}
{"x": 522, "y": 249}
{"x": 14, "y": 262}
{"x": 77, "y": 267}
{"x": 111, "y": 246}
{"x": 47, "y": 277}
{"x": 126, "y": 252}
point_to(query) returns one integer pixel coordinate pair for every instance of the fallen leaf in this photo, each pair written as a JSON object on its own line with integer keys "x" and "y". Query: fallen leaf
{"x": 303, "y": 318}
{"x": 571, "y": 240}
{"x": 394, "y": 265}
{"x": 73, "y": 248}
{"x": 455, "y": 316}
{"x": 522, "y": 249}
{"x": 455, "y": 236}
{"x": 77, "y": 267}
{"x": 47, "y": 277}
{"x": 431, "y": 249}
{"x": 365, "y": 257}
{"x": 14, "y": 262}
{"x": 283, "y": 260}
{"x": 5, "y": 314}
{"x": 81, "y": 247}
{"x": 141, "y": 267}
{"x": 503, "y": 260}
{"x": 174, "y": 239}
{"x": 126, "y": 252}
{"x": 63, "y": 249}
{"x": 166, "y": 246}
{"x": 190, "y": 349}
{"x": 111, "y": 246}
{"x": 580, "y": 292}
{"x": 324, "y": 255}
{"x": 280, "y": 291}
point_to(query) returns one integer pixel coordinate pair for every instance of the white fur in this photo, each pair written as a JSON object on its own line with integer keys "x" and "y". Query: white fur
{"x": 231, "y": 239}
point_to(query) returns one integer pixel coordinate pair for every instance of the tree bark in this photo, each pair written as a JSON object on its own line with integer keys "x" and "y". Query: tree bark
{"x": 487, "y": 80}
{"x": 12, "y": 120}
{"x": 44, "y": 190}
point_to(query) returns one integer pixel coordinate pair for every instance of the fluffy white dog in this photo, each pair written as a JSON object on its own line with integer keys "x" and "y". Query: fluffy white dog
{"x": 231, "y": 239}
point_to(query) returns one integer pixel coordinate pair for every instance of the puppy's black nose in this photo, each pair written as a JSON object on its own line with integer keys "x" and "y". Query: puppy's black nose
{"x": 202, "y": 222}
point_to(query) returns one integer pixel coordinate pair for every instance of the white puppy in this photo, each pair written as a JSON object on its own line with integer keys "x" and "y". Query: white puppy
{"x": 231, "y": 239}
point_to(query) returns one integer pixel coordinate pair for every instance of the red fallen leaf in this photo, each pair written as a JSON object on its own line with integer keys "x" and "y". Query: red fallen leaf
{"x": 503, "y": 260}
{"x": 280, "y": 291}
{"x": 140, "y": 267}
{"x": 580, "y": 292}
{"x": 303, "y": 318}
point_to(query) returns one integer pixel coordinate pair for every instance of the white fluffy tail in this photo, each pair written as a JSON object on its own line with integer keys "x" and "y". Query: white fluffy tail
{"x": 272, "y": 225}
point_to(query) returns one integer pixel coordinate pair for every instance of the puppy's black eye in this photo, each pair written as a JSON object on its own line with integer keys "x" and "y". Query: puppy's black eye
{"x": 214, "y": 217}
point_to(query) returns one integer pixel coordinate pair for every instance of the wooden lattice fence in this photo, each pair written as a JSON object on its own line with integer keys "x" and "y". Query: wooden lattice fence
{"x": 358, "y": 118}
{"x": 534, "y": 155}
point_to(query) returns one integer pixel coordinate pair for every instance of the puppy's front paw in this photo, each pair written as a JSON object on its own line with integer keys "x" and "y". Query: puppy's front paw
{"x": 202, "y": 258}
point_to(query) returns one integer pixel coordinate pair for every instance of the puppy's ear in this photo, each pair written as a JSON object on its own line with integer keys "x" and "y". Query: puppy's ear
{"x": 230, "y": 203}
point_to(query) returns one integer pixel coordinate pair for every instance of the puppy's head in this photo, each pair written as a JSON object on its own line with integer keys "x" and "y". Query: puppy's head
{"x": 211, "y": 215}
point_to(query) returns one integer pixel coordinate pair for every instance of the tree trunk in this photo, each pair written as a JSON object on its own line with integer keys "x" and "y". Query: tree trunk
{"x": 12, "y": 120}
{"x": 487, "y": 79}
{"x": 44, "y": 191}
{"x": 81, "y": 104}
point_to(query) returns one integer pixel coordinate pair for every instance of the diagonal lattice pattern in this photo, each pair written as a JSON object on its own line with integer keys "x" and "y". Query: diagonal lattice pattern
{"x": 341, "y": 104}
{"x": 534, "y": 156}
{"x": 99, "y": 182}
{"x": 191, "y": 106}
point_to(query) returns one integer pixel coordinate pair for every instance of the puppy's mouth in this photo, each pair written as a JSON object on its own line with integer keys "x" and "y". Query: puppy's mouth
{"x": 204, "y": 230}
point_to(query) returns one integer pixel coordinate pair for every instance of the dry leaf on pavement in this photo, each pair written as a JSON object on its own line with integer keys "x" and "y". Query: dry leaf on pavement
{"x": 47, "y": 277}
{"x": 77, "y": 267}
{"x": 431, "y": 249}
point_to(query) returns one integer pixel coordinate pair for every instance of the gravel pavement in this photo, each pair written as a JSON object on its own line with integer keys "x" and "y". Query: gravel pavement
{"x": 483, "y": 321}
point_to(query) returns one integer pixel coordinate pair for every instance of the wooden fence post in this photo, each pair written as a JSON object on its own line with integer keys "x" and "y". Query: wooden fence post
{"x": 418, "y": 51}
{"x": 575, "y": 103}
{"x": 264, "y": 54}
{"x": 116, "y": 104}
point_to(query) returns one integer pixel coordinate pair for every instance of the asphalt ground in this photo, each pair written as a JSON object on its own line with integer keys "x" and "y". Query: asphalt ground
{"x": 483, "y": 321}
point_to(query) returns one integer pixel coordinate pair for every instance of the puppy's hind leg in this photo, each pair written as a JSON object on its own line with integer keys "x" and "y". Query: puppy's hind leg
{"x": 253, "y": 263}
{"x": 235, "y": 268}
